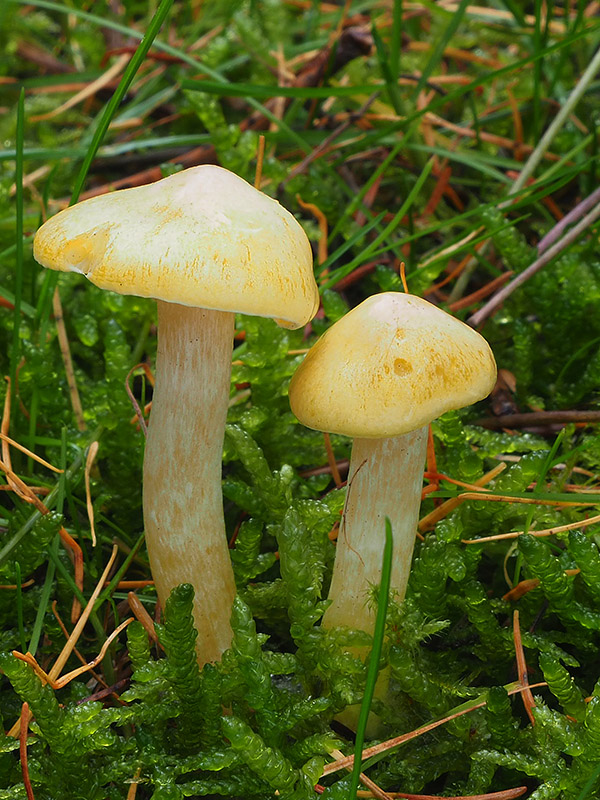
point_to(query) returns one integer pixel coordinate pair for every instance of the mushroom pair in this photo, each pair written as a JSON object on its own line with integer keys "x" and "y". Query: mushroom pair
{"x": 381, "y": 374}
{"x": 206, "y": 245}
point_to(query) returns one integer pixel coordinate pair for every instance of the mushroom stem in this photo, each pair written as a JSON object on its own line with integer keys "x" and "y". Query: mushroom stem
{"x": 385, "y": 480}
{"x": 183, "y": 503}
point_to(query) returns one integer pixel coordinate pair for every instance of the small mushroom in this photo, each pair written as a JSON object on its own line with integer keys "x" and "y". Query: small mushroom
{"x": 381, "y": 374}
{"x": 205, "y": 244}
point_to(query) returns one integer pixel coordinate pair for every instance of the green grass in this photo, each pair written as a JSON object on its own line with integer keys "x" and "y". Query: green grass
{"x": 286, "y": 680}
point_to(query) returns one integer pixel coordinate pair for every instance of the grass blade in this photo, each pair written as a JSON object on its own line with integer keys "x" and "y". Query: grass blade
{"x": 114, "y": 102}
{"x": 438, "y": 50}
{"x": 378, "y": 634}
{"x": 15, "y": 347}
{"x": 387, "y": 231}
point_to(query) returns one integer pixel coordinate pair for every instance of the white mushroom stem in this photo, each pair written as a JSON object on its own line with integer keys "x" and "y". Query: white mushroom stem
{"x": 385, "y": 480}
{"x": 183, "y": 504}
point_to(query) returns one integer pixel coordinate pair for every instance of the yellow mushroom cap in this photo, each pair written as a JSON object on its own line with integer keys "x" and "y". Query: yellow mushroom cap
{"x": 201, "y": 237}
{"x": 391, "y": 365}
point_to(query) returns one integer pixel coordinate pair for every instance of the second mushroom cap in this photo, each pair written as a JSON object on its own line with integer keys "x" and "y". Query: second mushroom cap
{"x": 391, "y": 365}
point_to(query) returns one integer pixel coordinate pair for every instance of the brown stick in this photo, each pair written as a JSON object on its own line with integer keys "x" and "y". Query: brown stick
{"x": 496, "y": 300}
{"x": 537, "y": 418}
{"x": 506, "y": 794}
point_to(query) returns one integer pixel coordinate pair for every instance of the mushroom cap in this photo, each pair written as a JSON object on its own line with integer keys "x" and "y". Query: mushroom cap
{"x": 201, "y": 237}
{"x": 391, "y": 365}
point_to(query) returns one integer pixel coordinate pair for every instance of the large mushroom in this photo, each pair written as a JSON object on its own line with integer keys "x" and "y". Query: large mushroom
{"x": 205, "y": 244}
{"x": 381, "y": 374}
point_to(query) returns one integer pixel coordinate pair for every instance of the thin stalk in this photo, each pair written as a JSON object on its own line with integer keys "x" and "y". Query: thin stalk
{"x": 385, "y": 480}
{"x": 183, "y": 504}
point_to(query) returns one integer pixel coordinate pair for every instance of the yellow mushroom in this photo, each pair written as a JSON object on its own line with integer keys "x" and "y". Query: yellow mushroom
{"x": 381, "y": 374}
{"x": 205, "y": 244}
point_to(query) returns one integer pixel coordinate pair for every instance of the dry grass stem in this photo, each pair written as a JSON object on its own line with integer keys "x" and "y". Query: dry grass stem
{"x": 76, "y": 652}
{"x": 140, "y": 613}
{"x": 28, "y": 452}
{"x": 374, "y": 790}
{"x": 429, "y": 520}
{"x": 323, "y": 230}
{"x": 89, "y": 460}
{"x": 77, "y": 630}
{"x": 331, "y": 460}
{"x": 25, "y": 717}
{"x": 62, "y": 682}
{"x": 259, "y": 161}
{"x": 526, "y": 694}
{"x": 5, "y": 425}
{"x": 390, "y": 744}
{"x": 132, "y": 792}
{"x": 26, "y": 493}
{"x": 447, "y": 252}
{"x": 506, "y": 794}
{"x": 90, "y": 90}
{"x": 571, "y": 526}
{"x": 25, "y": 585}
{"x": 65, "y": 350}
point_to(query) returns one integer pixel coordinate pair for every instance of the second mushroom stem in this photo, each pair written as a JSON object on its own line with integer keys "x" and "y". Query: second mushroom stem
{"x": 183, "y": 503}
{"x": 385, "y": 480}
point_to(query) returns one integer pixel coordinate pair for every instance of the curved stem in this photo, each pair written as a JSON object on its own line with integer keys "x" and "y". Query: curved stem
{"x": 385, "y": 480}
{"x": 183, "y": 504}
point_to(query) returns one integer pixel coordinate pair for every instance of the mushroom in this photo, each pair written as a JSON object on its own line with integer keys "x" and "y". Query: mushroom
{"x": 381, "y": 374}
{"x": 205, "y": 244}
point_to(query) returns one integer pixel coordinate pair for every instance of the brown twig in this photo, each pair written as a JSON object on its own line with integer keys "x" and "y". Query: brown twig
{"x": 341, "y": 465}
{"x": 538, "y": 418}
{"x": 517, "y": 592}
{"x": 479, "y": 294}
{"x": 506, "y": 794}
{"x": 480, "y": 316}
{"x": 25, "y": 585}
